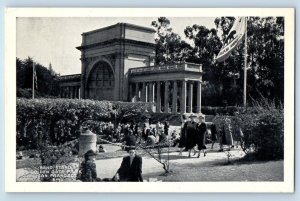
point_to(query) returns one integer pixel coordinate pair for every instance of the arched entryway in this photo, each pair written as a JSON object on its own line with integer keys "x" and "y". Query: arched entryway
{"x": 100, "y": 84}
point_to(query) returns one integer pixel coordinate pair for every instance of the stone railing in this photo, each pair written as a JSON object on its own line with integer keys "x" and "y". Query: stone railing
{"x": 69, "y": 77}
{"x": 165, "y": 68}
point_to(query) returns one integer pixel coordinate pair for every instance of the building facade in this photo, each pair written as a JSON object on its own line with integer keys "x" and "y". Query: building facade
{"x": 117, "y": 64}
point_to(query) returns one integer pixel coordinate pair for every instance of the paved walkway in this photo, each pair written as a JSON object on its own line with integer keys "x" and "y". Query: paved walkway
{"x": 106, "y": 168}
{"x": 109, "y": 162}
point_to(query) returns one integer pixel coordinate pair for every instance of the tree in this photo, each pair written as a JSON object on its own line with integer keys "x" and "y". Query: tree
{"x": 266, "y": 57}
{"x": 265, "y": 60}
{"x": 51, "y": 70}
{"x": 47, "y": 85}
{"x": 207, "y": 45}
{"x": 170, "y": 48}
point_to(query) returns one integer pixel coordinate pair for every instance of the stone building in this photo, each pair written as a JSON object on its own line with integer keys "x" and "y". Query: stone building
{"x": 117, "y": 63}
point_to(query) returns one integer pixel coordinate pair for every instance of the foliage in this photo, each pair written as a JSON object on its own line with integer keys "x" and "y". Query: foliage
{"x": 59, "y": 156}
{"x": 170, "y": 48}
{"x": 262, "y": 127}
{"x": 230, "y": 110}
{"x": 265, "y": 41}
{"x": 47, "y": 84}
{"x": 57, "y": 121}
{"x": 223, "y": 82}
{"x": 131, "y": 112}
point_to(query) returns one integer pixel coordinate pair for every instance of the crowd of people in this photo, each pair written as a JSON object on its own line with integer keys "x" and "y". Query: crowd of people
{"x": 193, "y": 135}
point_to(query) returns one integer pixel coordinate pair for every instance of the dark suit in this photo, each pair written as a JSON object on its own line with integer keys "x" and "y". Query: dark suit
{"x": 131, "y": 172}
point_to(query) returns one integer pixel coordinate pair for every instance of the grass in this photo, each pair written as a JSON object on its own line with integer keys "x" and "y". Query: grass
{"x": 251, "y": 171}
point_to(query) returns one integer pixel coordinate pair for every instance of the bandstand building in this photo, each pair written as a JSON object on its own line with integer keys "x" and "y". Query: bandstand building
{"x": 117, "y": 64}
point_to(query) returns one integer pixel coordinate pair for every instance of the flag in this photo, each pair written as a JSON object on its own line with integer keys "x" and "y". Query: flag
{"x": 233, "y": 39}
{"x": 34, "y": 76}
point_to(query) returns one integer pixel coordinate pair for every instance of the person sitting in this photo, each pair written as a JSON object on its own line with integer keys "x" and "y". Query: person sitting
{"x": 87, "y": 170}
{"x": 175, "y": 138}
{"x": 131, "y": 168}
{"x": 101, "y": 149}
{"x": 151, "y": 139}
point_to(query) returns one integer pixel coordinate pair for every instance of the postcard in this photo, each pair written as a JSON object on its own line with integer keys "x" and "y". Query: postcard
{"x": 177, "y": 99}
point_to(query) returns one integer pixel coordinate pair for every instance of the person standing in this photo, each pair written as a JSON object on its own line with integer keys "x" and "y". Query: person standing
{"x": 145, "y": 132}
{"x": 191, "y": 134}
{"x": 201, "y": 135}
{"x": 166, "y": 127}
{"x": 182, "y": 140}
{"x": 228, "y": 133}
{"x": 130, "y": 140}
{"x": 131, "y": 168}
{"x": 213, "y": 131}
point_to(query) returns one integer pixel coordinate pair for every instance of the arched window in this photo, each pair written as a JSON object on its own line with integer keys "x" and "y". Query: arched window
{"x": 101, "y": 76}
{"x": 101, "y": 82}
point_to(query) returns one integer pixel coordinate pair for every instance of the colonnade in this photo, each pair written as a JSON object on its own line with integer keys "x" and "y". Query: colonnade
{"x": 70, "y": 92}
{"x": 173, "y": 96}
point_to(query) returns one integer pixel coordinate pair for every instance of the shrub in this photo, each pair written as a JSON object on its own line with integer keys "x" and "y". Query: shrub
{"x": 59, "y": 156}
{"x": 229, "y": 110}
{"x": 263, "y": 131}
{"x": 57, "y": 121}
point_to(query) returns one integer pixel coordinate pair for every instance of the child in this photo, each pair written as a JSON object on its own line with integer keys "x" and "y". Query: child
{"x": 87, "y": 171}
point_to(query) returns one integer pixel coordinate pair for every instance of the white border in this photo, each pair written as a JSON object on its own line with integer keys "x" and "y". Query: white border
{"x": 10, "y": 102}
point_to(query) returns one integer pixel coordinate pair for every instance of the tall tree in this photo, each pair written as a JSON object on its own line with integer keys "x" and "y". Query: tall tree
{"x": 170, "y": 48}
{"x": 46, "y": 81}
{"x": 265, "y": 57}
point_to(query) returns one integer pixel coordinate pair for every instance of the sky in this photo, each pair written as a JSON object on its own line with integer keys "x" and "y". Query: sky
{"x": 54, "y": 40}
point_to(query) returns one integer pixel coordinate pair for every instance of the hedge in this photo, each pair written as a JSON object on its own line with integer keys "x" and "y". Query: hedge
{"x": 57, "y": 121}
{"x": 263, "y": 131}
{"x": 229, "y": 110}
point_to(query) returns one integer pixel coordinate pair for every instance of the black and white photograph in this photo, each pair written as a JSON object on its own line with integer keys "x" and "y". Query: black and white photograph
{"x": 199, "y": 101}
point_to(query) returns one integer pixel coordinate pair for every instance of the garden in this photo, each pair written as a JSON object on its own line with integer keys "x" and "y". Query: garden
{"x": 48, "y": 132}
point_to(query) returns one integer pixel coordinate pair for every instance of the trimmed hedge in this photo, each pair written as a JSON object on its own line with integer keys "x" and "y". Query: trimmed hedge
{"x": 57, "y": 121}
{"x": 229, "y": 110}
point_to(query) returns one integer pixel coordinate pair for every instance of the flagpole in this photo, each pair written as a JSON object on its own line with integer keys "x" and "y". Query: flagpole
{"x": 245, "y": 66}
{"x": 33, "y": 69}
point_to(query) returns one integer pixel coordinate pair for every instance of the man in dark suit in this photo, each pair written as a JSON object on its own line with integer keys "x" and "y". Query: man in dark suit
{"x": 131, "y": 168}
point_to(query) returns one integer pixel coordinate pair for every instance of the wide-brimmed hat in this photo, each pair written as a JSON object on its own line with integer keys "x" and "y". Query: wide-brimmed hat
{"x": 90, "y": 153}
{"x": 201, "y": 117}
{"x": 131, "y": 148}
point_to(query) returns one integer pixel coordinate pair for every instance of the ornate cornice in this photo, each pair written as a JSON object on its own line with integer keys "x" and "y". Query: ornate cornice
{"x": 120, "y": 41}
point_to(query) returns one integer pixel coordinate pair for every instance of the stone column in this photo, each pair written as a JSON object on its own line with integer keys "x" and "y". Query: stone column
{"x": 158, "y": 98}
{"x": 174, "y": 98}
{"x": 198, "y": 97}
{"x": 150, "y": 88}
{"x": 146, "y": 92}
{"x": 73, "y": 92}
{"x": 137, "y": 90}
{"x": 190, "y": 98}
{"x": 83, "y": 76}
{"x": 166, "y": 100}
{"x": 130, "y": 96}
{"x": 143, "y": 95}
{"x": 60, "y": 92}
{"x": 183, "y": 97}
{"x": 69, "y": 92}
